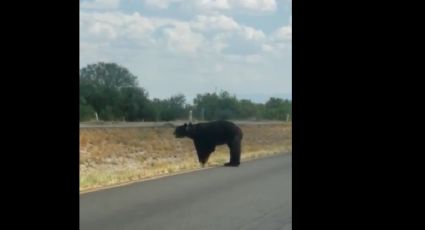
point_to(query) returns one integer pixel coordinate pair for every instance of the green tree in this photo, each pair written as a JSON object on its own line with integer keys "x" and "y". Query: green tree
{"x": 177, "y": 106}
{"x": 247, "y": 109}
{"x": 108, "y": 75}
{"x": 277, "y": 109}
{"x": 206, "y": 105}
{"x": 86, "y": 111}
{"x": 170, "y": 109}
{"x": 134, "y": 104}
{"x": 112, "y": 91}
{"x": 216, "y": 106}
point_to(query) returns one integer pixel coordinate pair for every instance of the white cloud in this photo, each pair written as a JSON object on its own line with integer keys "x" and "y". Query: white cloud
{"x": 101, "y": 4}
{"x": 216, "y": 5}
{"x": 222, "y": 23}
{"x": 103, "y": 30}
{"x": 257, "y": 5}
{"x": 253, "y": 34}
{"x": 134, "y": 29}
{"x": 210, "y": 35}
{"x": 279, "y": 42}
{"x": 115, "y": 25}
{"x": 267, "y": 48}
{"x": 182, "y": 39}
{"x": 161, "y": 4}
{"x": 225, "y": 34}
{"x": 213, "y": 4}
{"x": 262, "y": 5}
{"x": 219, "y": 22}
{"x": 218, "y": 43}
{"x": 284, "y": 33}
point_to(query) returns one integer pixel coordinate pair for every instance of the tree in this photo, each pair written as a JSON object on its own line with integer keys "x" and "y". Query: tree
{"x": 108, "y": 75}
{"x": 206, "y": 105}
{"x": 216, "y": 106}
{"x": 112, "y": 91}
{"x": 134, "y": 103}
{"x": 276, "y": 108}
{"x": 247, "y": 109}
{"x": 86, "y": 111}
{"x": 169, "y": 109}
{"x": 177, "y": 106}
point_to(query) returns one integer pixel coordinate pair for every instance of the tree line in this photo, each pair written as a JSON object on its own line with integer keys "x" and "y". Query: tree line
{"x": 112, "y": 93}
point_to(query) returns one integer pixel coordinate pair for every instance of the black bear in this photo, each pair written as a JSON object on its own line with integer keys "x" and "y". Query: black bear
{"x": 207, "y": 135}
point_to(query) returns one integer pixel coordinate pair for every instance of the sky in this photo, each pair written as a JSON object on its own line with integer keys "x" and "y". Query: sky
{"x": 193, "y": 47}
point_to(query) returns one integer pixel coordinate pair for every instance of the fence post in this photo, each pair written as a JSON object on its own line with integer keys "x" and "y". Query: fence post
{"x": 97, "y": 118}
{"x": 202, "y": 114}
{"x": 190, "y": 116}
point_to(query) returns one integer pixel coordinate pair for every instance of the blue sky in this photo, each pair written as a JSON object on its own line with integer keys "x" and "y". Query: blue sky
{"x": 193, "y": 46}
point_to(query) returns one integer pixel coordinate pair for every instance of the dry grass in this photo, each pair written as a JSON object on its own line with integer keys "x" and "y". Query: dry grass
{"x": 115, "y": 155}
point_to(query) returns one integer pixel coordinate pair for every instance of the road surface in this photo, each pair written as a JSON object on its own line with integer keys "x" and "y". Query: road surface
{"x": 256, "y": 195}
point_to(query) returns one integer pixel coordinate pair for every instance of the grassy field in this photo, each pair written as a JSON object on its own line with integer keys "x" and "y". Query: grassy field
{"x": 111, "y": 156}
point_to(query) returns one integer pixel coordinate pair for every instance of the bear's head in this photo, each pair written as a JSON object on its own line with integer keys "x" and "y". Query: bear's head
{"x": 185, "y": 130}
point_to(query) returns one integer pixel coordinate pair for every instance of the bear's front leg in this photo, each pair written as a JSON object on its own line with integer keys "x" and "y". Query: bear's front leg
{"x": 203, "y": 151}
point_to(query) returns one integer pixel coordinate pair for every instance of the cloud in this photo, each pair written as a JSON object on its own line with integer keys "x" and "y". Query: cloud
{"x": 211, "y": 4}
{"x": 108, "y": 26}
{"x": 161, "y": 4}
{"x": 208, "y": 35}
{"x": 267, "y": 48}
{"x": 257, "y": 5}
{"x": 219, "y": 22}
{"x": 278, "y": 44}
{"x": 216, "y": 5}
{"x": 100, "y": 4}
{"x": 182, "y": 39}
{"x": 253, "y": 34}
{"x": 240, "y": 44}
{"x": 284, "y": 33}
{"x": 226, "y": 36}
{"x": 261, "y": 5}
{"x": 103, "y": 30}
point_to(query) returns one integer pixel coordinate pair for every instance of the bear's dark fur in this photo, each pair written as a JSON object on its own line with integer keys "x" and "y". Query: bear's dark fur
{"x": 207, "y": 135}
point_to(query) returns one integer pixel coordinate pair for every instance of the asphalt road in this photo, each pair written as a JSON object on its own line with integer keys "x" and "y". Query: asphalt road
{"x": 255, "y": 195}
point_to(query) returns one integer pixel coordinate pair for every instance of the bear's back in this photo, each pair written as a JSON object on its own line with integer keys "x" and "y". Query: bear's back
{"x": 218, "y": 132}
